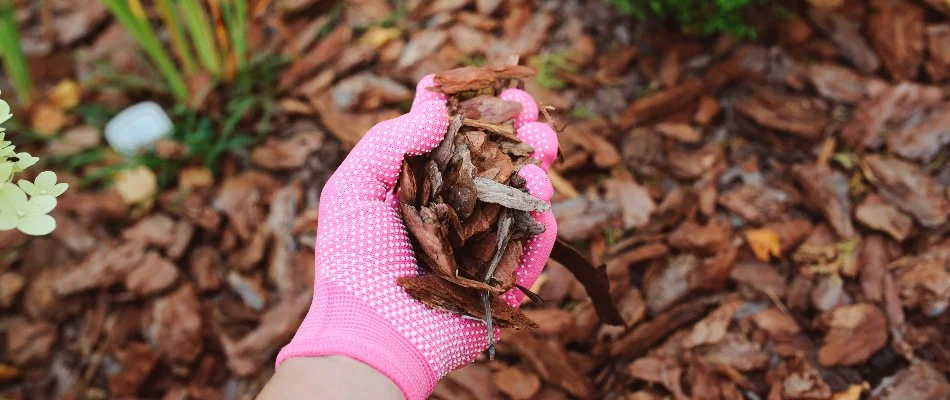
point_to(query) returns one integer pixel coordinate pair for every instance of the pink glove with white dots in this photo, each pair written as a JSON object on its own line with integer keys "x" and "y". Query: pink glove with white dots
{"x": 358, "y": 310}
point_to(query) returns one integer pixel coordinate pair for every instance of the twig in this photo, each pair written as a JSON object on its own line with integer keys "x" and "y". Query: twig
{"x": 491, "y": 334}
{"x": 501, "y": 244}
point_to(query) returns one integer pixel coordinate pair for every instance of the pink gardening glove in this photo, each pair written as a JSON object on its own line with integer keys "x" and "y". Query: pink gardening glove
{"x": 358, "y": 310}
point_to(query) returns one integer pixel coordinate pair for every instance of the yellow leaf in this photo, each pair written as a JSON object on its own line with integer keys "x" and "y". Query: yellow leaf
{"x": 853, "y": 392}
{"x": 764, "y": 243}
{"x": 136, "y": 185}
{"x": 377, "y": 36}
{"x": 64, "y": 95}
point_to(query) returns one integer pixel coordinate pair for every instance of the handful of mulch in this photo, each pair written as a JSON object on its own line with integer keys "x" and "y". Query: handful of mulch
{"x": 467, "y": 209}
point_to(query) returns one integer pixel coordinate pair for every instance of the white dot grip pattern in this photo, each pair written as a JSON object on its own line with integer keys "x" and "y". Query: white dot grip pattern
{"x": 362, "y": 246}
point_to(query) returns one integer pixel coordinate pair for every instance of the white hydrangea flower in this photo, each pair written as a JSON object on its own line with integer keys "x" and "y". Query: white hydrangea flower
{"x": 27, "y": 215}
{"x": 24, "y": 161}
{"x": 4, "y": 112}
{"x": 44, "y": 185}
{"x": 6, "y": 171}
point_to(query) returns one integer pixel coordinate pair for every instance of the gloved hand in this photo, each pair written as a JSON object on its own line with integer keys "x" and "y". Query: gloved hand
{"x": 362, "y": 246}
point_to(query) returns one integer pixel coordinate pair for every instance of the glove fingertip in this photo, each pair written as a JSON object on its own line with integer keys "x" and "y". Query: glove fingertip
{"x": 424, "y": 95}
{"x": 537, "y": 182}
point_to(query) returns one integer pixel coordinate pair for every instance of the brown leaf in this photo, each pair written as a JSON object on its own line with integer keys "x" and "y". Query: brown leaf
{"x": 909, "y": 189}
{"x": 464, "y": 79}
{"x": 368, "y": 91}
{"x": 593, "y": 278}
{"x": 438, "y": 293}
{"x": 550, "y": 360}
{"x": 104, "y": 267}
{"x": 879, "y": 215}
{"x": 173, "y": 324}
{"x": 703, "y": 238}
{"x": 865, "y": 128}
{"x": 289, "y": 153}
{"x": 938, "y": 46}
{"x": 800, "y": 115}
{"x": 712, "y": 329}
{"x": 156, "y": 229}
{"x": 923, "y": 135}
{"x": 206, "y": 267}
{"x": 681, "y": 132}
{"x": 660, "y": 103}
{"x": 897, "y": 30}
{"x": 804, "y": 381}
{"x": 646, "y": 335}
{"x": 11, "y": 283}
{"x": 827, "y": 191}
{"x": 925, "y": 285}
{"x": 838, "y": 83}
{"x": 470, "y": 383}
{"x": 517, "y": 383}
{"x": 137, "y": 361}
{"x": 735, "y": 350}
{"x": 755, "y": 203}
{"x": 490, "y": 109}
{"x": 918, "y": 381}
{"x": 854, "y": 333}
{"x": 29, "y": 343}
{"x": 666, "y": 284}
{"x": 664, "y": 371}
{"x": 636, "y": 205}
{"x": 153, "y": 275}
{"x": 846, "y": 34}
{"x": 761, "y": 277}
{"x": 249, "y": 353}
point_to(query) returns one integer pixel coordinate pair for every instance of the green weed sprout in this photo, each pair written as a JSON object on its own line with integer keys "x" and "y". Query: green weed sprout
{"x": 199, "y": 27}
{"x": 25, "y": 205}
{"x": 706, "y": 17}
{"x": 14, "y": 62}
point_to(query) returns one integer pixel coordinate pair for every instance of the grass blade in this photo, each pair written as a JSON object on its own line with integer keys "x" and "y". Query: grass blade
{"x": 14, "y": 62}
{"x": 199, "y": 27}
{"x": 138, "y": 26}
{"x": 177, "y": 34}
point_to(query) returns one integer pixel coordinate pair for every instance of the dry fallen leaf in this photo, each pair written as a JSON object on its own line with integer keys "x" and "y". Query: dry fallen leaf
{"x": 65, "y": 95}
{"x": 764, "y": 243}
{"x": 854, "y": 333}
{"x": 47, "y": 119}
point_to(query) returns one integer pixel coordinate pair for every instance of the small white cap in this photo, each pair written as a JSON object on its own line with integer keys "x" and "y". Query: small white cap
{"x": 137, "y": 127}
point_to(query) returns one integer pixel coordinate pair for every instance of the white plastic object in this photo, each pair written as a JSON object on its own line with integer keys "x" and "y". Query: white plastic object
{"x": 137, "y": 127}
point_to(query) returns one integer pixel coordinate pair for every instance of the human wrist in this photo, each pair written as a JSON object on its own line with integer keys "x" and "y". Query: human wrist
{"x": 340, "y": 324}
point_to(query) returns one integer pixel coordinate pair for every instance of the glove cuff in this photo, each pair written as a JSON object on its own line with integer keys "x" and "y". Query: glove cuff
{"x": 353, "y": 329}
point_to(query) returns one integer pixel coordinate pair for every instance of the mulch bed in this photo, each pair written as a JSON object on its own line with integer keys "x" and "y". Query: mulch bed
{"x": 772, "y": 213}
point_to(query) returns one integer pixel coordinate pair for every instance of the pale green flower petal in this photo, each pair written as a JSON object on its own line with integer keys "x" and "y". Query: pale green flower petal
{"x": 45, "y": 180}
{"x": 25, "y": 160}
{"x": 7, "y": 151}
{"x": 37, "y": 225}
{"x": 11, "y": 197}
{"x": 58, "y": 189}
{"x": 40, "y": 205}
{"x": 4, "y": 111}
{"x": 6, "y": 170}
{"x": 27, "y": 186}
{"x": 8, "y": 220}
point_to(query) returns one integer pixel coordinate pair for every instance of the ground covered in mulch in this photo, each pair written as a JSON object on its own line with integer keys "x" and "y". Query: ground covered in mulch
{"x": 772, "y": 213}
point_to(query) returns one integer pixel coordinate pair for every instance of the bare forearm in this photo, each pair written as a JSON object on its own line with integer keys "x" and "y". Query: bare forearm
{"x": 335, "y": 378}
